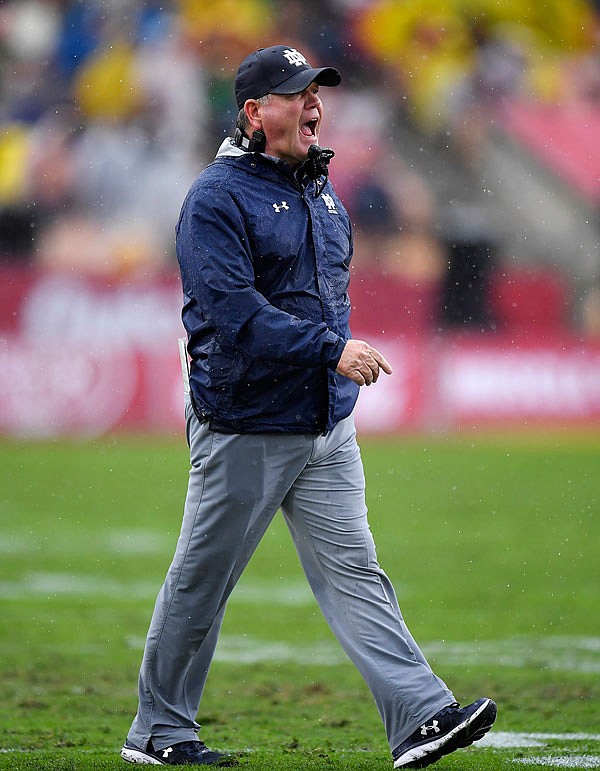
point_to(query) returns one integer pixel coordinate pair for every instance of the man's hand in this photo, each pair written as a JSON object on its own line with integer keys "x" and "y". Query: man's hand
{"x": 362, "y": 363}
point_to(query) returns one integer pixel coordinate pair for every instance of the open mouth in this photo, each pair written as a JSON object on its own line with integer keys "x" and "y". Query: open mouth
{"x": 309, "y": 129}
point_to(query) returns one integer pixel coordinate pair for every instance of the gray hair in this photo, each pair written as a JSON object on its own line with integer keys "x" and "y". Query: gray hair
{"x": 242, "y": 119}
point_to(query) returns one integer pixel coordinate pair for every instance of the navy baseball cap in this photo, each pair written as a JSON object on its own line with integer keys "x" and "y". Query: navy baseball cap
{"x": 279, "y": 70}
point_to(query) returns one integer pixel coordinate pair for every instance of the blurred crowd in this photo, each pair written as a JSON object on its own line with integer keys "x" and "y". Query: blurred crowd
{"x": 109, "y": 108}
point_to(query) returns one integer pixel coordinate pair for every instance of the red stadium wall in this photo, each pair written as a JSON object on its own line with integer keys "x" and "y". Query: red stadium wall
{"x": 84, "y": 357}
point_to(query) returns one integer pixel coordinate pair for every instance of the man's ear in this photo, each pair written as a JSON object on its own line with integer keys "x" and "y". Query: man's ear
{"x": 252, "y": 110}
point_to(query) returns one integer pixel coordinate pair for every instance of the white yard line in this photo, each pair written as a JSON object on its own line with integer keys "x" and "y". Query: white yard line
{"x": 504, "y": 740}
{"x": 251, "y": 650}
{"x": 555, "y": 653}
{"x": 507, "y": 740}
{"x": 49, "y": 584}
{"x": 510, "y": 739}
{"x": 561, "y": 761}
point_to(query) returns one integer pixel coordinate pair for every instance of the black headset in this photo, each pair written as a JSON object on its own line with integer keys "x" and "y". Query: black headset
{"x": 256, "y": 144}
{"x": 314, "y": 167}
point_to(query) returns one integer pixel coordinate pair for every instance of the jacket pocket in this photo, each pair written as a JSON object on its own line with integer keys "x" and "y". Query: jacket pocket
{"x": 227, "y": 368}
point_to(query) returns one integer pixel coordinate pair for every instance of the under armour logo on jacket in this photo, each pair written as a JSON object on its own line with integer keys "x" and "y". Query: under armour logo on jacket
{"x": 295, "y": 57}
{"x": 279, "y": 206}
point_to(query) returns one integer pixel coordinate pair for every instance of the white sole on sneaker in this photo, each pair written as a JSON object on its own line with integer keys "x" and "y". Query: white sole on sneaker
{"x": 432, "y": 747}
{"x": 137, "y": 756}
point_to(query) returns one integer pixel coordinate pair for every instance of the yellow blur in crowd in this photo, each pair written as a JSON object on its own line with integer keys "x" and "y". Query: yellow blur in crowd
{"x": 152, "y": 107}
{"x": 429, "y": 44}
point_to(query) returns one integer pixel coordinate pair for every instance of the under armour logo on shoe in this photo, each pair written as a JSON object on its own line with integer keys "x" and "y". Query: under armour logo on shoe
{"x": 279, "y": 206}
{"x": 433, "y": 728}
{"x": 167, "y": 751}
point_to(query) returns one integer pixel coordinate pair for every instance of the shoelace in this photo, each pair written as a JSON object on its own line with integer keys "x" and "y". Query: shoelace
{"x": 454, "y": 705}
{"x": 193, "y": 747}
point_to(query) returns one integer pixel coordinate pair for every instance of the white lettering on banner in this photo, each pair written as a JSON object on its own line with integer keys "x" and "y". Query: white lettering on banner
{"x": 527, "y": 382}
{"x": 72, "y": 310}
{"x": 48, "y": 390}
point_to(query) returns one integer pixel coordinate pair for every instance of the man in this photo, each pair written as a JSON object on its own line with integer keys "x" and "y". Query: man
{"x": 264, "y": 246}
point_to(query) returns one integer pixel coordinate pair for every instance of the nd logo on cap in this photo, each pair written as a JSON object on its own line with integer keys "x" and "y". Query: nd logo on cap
{"x": 279, "y": 70}
{"x": 295, "y": 57}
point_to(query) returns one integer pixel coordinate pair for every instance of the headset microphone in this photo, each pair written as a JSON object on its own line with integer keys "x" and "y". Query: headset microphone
{"x": 317, "y": 162}
{"x": 315, "y": 166}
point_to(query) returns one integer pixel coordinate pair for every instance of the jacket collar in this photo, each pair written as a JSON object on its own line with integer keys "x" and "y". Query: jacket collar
{"x": 229, "y": 149}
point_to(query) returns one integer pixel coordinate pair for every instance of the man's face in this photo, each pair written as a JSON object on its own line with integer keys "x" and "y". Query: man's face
{"x": 291, "y": 123}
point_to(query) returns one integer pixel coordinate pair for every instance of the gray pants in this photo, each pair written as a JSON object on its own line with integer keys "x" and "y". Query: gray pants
{"x": 237, "y": 483}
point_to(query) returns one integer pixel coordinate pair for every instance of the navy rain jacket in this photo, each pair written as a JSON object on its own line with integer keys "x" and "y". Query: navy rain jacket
{"x": 265, "y": 269}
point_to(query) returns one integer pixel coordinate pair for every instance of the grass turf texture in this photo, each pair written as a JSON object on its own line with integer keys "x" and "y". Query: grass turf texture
{"x": 492, "y": 543}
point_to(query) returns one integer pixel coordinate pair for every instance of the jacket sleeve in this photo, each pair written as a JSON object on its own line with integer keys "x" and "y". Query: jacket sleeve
{"x": 216, "y": 266}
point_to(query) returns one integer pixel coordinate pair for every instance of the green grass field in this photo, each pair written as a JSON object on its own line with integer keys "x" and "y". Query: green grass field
{"x": 493, "y": 544}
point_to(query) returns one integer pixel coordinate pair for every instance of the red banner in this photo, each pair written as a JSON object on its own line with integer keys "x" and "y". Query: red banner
{"x": 83, "y": 357}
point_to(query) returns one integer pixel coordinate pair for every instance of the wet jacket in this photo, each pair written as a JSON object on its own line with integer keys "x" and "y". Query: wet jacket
{"x": 265, "y": 268}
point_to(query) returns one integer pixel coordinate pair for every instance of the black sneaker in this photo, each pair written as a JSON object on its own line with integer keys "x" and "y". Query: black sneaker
{"x": 192, "y": 753}
{"x": 449, "y": 729}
